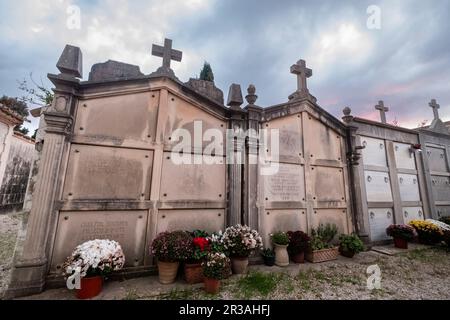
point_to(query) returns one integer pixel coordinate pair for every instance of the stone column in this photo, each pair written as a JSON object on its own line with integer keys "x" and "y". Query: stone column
{"x": 31, "y": 266}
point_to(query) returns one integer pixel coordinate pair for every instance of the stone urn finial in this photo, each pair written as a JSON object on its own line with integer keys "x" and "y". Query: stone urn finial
{"x": 347, "y": 115}
{"x": 251, "y": 97}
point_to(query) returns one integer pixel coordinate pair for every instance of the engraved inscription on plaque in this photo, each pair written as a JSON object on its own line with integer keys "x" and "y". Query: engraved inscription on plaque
{"x": 287, "y": 185}
{"x": 126, "y": 227}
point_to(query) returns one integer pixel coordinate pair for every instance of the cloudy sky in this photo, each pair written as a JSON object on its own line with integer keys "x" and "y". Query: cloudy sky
{"x": 405, "y": 62}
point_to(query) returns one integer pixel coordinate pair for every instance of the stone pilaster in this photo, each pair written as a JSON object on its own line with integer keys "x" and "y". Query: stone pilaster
{"x": 31, "y": 266}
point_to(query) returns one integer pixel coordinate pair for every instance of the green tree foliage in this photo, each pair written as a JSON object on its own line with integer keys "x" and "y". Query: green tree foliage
{"x": 207, "y": 73}
{"x": 36, "y": 94}
{"x": 18, "y": 106}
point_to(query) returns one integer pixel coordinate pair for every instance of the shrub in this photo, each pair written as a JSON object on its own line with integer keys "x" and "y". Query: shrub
{"x": 173, "y": 246}
{"x": 216, "y": 266}
{"x": 427, "y": 231}
{"x": 351, "y": 243}
{"x": 298, "y": 242}
{"x": 280, "y": 238}
{"x": 401, "y": 231}
{"x": 323, "y": 236}
{"x": 95, "y": 258}
{"x": 445, "y": 220}
{"x": 240, "y": 240}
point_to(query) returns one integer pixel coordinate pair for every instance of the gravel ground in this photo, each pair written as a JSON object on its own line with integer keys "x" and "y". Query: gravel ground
{"x": 419, "y": 273}
{"x": 9, "y": 226}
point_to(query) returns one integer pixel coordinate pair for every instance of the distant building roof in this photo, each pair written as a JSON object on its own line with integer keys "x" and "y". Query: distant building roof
{"x": 10, "y": 116}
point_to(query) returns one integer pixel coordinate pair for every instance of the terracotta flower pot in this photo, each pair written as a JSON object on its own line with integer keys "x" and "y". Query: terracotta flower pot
{"x": 298, "y": 257}
{"x": 239, "y": 265}
{"x": 90, "y": 287}
{"x": 400, "y": 243}
{"x": 212, "y": 286}
{"x": 167, "y": 271}
{"x": 193, "y": 272}
{"x": 281, "y": 255}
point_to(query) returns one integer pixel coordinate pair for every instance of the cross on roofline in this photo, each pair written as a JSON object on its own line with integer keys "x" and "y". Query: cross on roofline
{"x": 433, "y": 104}
{"x": 167, "y": 53}
{"x": 380, "y": 106}
{"x": 302, "y": 73}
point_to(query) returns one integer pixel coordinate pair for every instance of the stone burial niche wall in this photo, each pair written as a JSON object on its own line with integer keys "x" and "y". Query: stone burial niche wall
{"x": 311, "y": 185}
{"x": 435, "y": 141}
{"x": 106, "y": 170}
{"x": 389, "y": 182}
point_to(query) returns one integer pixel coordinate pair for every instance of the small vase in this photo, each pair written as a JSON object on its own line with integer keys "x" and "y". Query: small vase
{"x": 281, "y": 255}
{"x": 298, "y": 257}
{"x": 167, "y": 271}
{"x": 400, "y": 243}
{"x": 212, "y": 286}
{"x": 239, "y": 265}
{"x": 90, "y": 287}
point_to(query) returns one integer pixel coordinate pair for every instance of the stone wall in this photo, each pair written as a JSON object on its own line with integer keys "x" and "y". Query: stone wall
{"x": 15, "y": 178}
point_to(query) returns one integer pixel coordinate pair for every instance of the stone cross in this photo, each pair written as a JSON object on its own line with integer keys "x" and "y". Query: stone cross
{"x": 302, "y": 73}
{"x": 433, "y": 104}
{"x": 167, "y": 53}
{"x": 380, "y": 106}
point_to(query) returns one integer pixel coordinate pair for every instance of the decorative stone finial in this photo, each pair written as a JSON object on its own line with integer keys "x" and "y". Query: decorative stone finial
{"x": 251, "y": 97}
{"x": 235, "y": 97}
{"x": 347, "y": 115}
{"x": 71, "y": 62}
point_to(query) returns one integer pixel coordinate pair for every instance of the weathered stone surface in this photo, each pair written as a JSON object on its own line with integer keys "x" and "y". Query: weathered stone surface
{"x": 114, "y": 70}
{"x": 126, "y": 227}
{"x": 206, "y": 88}
{"x": 235, "y": 99}
{"x": 71, "y": 62}
{"x": 287, "y": 185}
{"x": 379, "y": 220}
{"x": 210, "y": 220}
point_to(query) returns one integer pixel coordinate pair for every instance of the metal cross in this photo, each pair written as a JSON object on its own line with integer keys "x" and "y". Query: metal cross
{"x": 167, "y": 53}
{"x": 433, "y": 104}
{"x": 302, "y": 73}
{"x": 380, "y": 106}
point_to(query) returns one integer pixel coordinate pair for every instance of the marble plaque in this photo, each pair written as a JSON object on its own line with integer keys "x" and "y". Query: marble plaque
{"x": 321, "y": 142}
{"x": 287, "y": 185}
{"x": 437, "y": 159}
{"x": 412, "y": 213}
{"x": 328, "y": 184}
{"x": 198, "y": 182}
{"x": 290, "y": 136}
{"x": 404, "y": 158}
{"x": 379, "y": 220}
{"x": 108, "y": 173}
{"x": 126, "y": 227}
{"x": 378, "y": 186}
{"x": 281, "y": 220}
{"x": 374, "y": 153}
{"x": 211, "y": 220}
{"x": 409, "y": 187}
{"x": 118, "y": 119}
{"x": 440, "y": 186}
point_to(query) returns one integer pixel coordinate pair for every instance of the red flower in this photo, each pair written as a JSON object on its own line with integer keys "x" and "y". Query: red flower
{"x": 201, "y": 243}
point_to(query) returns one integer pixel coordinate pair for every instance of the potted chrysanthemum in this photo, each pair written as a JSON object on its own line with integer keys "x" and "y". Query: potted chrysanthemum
{"x": 401, "y": 234}
{"x": 170, "y": 248}
{"x": 92, "y": 261}
{"x": 215, "y": 268}
{"x": 240, "y": 241}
